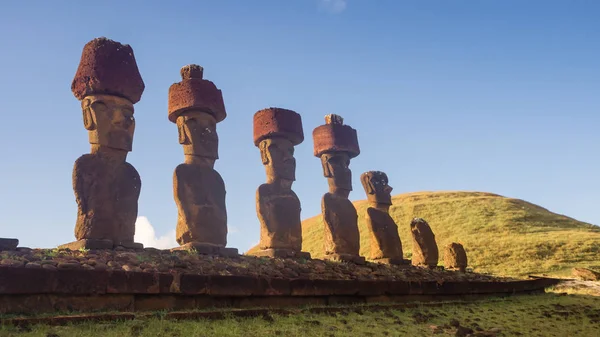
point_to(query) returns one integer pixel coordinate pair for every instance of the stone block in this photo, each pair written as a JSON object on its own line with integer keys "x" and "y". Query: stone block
{"x": 27, "y": 280}
{"x": 123, "y": 282}
{"x": 8, "y": 244}
{"x": 273, "y": 287}
{"x": 78, "y": 281}
{"x": 302, "y": 287}
{"x": 163, "y": 302}
{"x": 221, "y": 285}
{"x": 88, "y": 244}
{"x": 193, "y": 284}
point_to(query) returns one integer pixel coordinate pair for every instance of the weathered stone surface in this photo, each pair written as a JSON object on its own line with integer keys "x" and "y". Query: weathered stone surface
{"x": 195, "y": 93}
{"x": 455, "y": 257}
{"x": 334, "y": 136}
{"x": 106, "y": 187}
{"x": 276, "y": 132}
{"x": 425, "y": 251}
{"x": 335, "y": 144}
{"x": 196, "y": 106}
{"x": 8, "y": 244}
{"x": 586, "y": 274}
{"x": 383, "y": 231}
{"x": 108, "y": 67}
{"x": 277, "y": 123}
{"x": 282, "y": 253}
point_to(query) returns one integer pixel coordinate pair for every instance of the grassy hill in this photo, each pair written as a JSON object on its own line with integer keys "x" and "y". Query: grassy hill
{"x": 503, "y": 236}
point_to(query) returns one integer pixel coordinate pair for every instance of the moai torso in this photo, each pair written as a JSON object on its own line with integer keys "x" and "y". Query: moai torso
{"x": 107, "y": 193}
{"x": 279, "y": 215}
{"x": 341, "y": 225}
{"x": 425, "y": 251}
{"x": 200, "y": 197}
{"x": 385, "y": 241}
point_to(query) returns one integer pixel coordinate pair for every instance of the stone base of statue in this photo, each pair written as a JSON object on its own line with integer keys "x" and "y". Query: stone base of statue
{"x": 8, "y": 244}
{"x": 345, "y": 258}
{"x": 393, "y": 261}
{"x": 100, "y": 244}
{"x": 281, "y": 253}
{"x": 208, "y": 249}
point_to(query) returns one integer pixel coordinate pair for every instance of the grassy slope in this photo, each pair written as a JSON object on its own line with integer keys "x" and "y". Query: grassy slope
{"x": 502, "y": 236}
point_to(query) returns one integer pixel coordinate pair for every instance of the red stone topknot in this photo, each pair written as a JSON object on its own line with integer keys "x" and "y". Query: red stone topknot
{"x": 195, "y": 93}
{"x": 278, "y": 122}
{"x": 334, "y": 136}
{"x": 108, "y": 67}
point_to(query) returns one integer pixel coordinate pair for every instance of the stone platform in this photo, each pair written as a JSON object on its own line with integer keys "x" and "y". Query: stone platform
{"x": 8, "y": 244}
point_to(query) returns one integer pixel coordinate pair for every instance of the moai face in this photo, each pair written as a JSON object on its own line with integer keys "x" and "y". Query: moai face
{"x": 377, "y": 187}
{"x": 198, "y": 134}
{"x": 336, "y": 169}
{"x": 109, "y": 121}
{"x": 278, "y": 156}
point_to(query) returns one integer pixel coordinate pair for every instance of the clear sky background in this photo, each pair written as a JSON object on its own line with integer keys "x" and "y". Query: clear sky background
{"x": 495, "y": 96}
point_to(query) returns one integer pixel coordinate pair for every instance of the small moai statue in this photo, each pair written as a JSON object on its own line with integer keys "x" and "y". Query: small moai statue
{"x": 425, "y": 251}
{"x": 386, "y": 246}
{"x": 196, "y": 106}
{"x": 455, "y": 257}
{"x": 8, "y": 244}
{"x": 107, "y": 188}
{"x": 276, "y": 132}
{"x": 336, "y": 143}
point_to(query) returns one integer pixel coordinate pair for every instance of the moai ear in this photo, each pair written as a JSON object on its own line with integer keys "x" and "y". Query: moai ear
{"x": 326, "y": 166}
{"x": 263, "y": 145}
{"x": 183, "y": 136}
{"x": 88, "y": 116}
{"x": 367, "y": 183}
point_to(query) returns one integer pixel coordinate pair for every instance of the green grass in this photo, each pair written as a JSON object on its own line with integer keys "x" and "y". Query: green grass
{"x": 501, "y": 235}
{"x": 533, "y": 315}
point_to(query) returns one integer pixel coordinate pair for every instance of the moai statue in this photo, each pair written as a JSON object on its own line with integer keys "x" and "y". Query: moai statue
{"x": 106, "y": 187}
{"x": 425, "y": 250}
{"x": 196, "y": 106}
{"x": 336, "y": 143}
{"x": 455, "y": 257}
{"x": 385, "y": 240}
{"x": 8, "y": 244}
{"x": 276, "y": 132}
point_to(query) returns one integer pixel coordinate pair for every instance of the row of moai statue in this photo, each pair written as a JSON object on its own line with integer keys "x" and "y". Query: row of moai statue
{"x": 107, "y": 187}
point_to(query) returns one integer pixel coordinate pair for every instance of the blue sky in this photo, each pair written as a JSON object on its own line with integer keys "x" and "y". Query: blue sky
{"x": 496, "y": 96}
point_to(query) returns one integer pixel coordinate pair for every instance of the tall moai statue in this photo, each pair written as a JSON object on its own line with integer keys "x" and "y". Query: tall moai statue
{"x": 386, "y": 246}
{"x": 196, "y": 106}
{"x": 106, "y": 187}
{"x": 276, "y": 132}
{"x": 336, "y": 143}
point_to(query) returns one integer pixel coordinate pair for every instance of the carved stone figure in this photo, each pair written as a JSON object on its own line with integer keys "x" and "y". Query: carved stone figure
{"x": 455, "y": 257}
{"x": 276, "y": 132}
{"x": 336, "y": 143}
{"x": 196, "y": 106}
{"x": 383, "y": 231}
{"x": 106, "y": 187}
{"x": 8, "y": 244}
{"x": 425, "y": 250}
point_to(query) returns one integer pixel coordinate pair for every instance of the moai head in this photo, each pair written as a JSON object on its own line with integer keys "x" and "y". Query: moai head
{"x": 196, "y": 106}
{"x": 336, "y": 143}
{"x": 377, "y": 187}
{"x": 276, "y": 132}
{"x": 108, "y": 84}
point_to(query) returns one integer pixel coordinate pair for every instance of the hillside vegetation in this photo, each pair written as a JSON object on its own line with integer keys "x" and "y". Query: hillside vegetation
{"x": 503, "y": 236}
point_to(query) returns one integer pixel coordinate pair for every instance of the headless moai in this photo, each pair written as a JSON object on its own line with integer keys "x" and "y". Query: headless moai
{"x": 455, "y": 257}
{"x": 386, "y": 246}
{"x": 276, "y": 132}
{"x": 196, "y": 106}
{"x": 425, "y": 250}
{"x": 336, "y": 143}
{"x": 106, "y": 187}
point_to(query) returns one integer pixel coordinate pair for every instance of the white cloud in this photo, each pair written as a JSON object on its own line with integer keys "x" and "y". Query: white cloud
{"x": 145, "y": 234}
{"x": 333, "y": 6}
